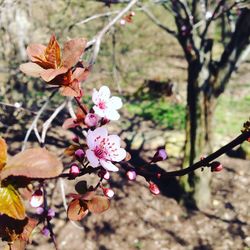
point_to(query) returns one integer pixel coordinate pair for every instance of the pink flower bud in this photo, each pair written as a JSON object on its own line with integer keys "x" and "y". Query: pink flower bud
{"x": 91, "y": 120}
{"x": 153, "y": 188}
{"x": 40, "y": 210}
{"x": 103, "y": 173}
{"x": 51, "y": 213}
{"x": 37, "y": 198}
{"x": 80, "y": 154}
{"x": 122, "y": 22}
{"x": 74, "y": 170}
{"x": 160, "y": 155}
{"x": 131, "y": 175}
{"x": 75, "y": 139}
{"x": 45, "y": 232}
{"x": 108, "y": 192}
{"x": 216, "y": 166}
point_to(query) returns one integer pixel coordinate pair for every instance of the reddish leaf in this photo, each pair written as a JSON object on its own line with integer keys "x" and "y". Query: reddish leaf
{"x": 10, "y": 203}
{"x": 80, "y": 74}
{"x": 31, "y": 69}
{"x": 3, "y": 153}
{"x": 53, "y": 53}
{"x": 73, "y": 89}
{"x": 98, "y": 204}
{"x": 77, "y": 210}
{"x": 33, "y": 163}
{"x": 29, "y": 227}
{"x": 72, "y": 51}
{"x": 35, "y": 51}
{"x": 70, "y": 151}
{"x": 49, "y": 74}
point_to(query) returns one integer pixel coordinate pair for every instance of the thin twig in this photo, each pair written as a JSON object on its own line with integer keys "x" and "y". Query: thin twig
{"x": 99, "y": 37}
{"x": 34, "y": 123}
{"x": 49, "y": 121}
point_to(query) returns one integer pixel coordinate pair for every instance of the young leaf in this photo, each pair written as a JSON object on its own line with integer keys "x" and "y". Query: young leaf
{"x": 98, "y": 204}
{"x": 10, "y": 203}
{"x": 3, "y": 153}
{"x": 77, "y": 210}
{"x": 33, "y": 163}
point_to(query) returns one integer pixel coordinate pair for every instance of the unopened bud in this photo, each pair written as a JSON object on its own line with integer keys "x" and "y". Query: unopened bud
{"x": 75, "y": 139}
{"x": 108, "y": 192}
{"x": 131, "y": 175}
{"x": 160, "y": 155}
{"x": 153, "y": 188}
{"x": 103, "y": 173}
{"x": 132, "y": 13}
{"x": 80, "y": 154}
{"x": 45, "y": 232}
{"x": 91, "y": 120}
{"x": 40, "y": 210}
{"x": 216, "y": 166}
{"x": 51, "y": 214}
{"x": 74, "y": 170}
{"x": 37, "y": 198}
{"x": 122, "y": 22}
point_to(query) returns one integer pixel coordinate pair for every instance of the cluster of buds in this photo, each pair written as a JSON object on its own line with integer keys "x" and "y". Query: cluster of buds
{"x": 127, "y": 18}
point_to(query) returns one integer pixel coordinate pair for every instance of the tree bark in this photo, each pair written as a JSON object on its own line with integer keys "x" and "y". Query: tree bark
{"x": 202, "y": 93}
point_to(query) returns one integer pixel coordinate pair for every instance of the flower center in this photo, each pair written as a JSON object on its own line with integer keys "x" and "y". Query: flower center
{"x": 102, "y": 105}
{"x": 99, "y": 152}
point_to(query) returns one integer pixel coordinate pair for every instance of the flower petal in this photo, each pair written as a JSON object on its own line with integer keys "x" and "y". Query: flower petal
{"x": 93, "y": 160}
{"x": 115, "y": 140}
{"x": 112, "y": 114}
{"x": 94, "y": 137}
{"x": 99, "y": 112}
{"x": 119, "y": 155}
{"x": 104, "y": 93}
{"x": 115, "y": 102}
{"x": 95, "y": 96}
{"x": 31, "y": 69}
{"x": 72, "y": 51}
{"x": 109, "y": 165}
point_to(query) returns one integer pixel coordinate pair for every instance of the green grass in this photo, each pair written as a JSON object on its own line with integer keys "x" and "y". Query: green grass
{"x": 160, "y": 111}
{"x": 231, "y": 113}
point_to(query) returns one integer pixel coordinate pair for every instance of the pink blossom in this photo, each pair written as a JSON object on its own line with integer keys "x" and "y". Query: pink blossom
{"x": 108, "y": 192}
{"x": 37, "y": 198}
{"x": 106, "y": 106}
{"x": 104, "y": 149}
{"x": 131, "y": 174}
{"x": 91, "y": 120}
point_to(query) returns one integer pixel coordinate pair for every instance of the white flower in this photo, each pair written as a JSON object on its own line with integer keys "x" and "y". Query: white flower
{"x": 103, "y": 149}
{"x": 104, "y": 105}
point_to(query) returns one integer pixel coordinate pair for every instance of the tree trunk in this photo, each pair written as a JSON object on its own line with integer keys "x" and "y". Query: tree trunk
{"x": 199, "y": 119}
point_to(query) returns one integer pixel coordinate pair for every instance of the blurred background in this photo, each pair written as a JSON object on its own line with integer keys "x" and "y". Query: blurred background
{"x": 150, "y": 69}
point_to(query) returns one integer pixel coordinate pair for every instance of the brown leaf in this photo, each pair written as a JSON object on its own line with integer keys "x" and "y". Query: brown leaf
{"x": 53, "y": 52}
{"x": 49, "y": 74}
{"x": 10, "y": 203}
{"x": 72, "y": 51}
{"x": 80, "y": 74}
{"x": 33, "y": 163}
{"x": 70, "y": 151}
{"x": 73, "y": 89}
{"x": 77, "y": 210}
{"x": 31, "y": 69}
{"x": 98, "y": 204}
{"x": 3, "y": 153}
{"x": 35, "y": 52}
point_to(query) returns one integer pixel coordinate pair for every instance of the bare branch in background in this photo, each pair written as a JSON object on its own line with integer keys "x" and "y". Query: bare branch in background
{"x": 97, "y": 41}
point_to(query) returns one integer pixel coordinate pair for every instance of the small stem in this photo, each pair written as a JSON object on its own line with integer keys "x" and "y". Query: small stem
{"x": 81, "y": 106}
